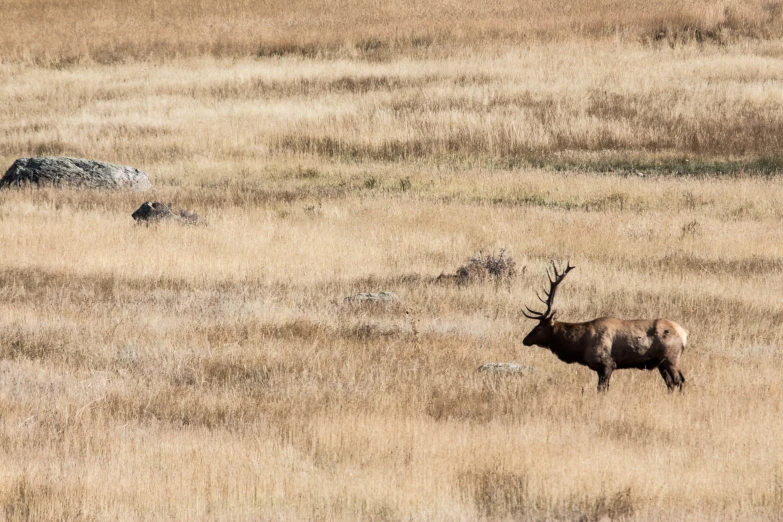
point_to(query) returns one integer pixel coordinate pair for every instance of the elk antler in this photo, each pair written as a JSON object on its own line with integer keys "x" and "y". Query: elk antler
{"x": 550, "y": 295}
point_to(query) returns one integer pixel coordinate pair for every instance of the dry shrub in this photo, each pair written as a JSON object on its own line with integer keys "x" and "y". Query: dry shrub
{"x": 493, "y": 267}
{"x": 691, "y": 228}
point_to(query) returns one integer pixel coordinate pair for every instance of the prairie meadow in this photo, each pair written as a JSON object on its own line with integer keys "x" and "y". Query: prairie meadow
{"x": 215, "y": 372}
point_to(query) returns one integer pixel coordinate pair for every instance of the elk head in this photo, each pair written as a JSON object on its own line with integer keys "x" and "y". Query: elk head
{"x": 542, "y": 333}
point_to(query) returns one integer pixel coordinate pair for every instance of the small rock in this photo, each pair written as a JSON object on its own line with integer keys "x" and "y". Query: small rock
{"x": 73, "y": 172}
{"x": 371, "y": 297}
{"x": 498, "y": 367}
{"x": 150, "y": 212}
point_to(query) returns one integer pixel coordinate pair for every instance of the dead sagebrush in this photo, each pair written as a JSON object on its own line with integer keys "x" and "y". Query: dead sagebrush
{"x": 481, "y": 268}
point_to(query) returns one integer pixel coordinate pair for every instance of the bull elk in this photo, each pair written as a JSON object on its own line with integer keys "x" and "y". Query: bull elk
{"x": 608, "y": 344}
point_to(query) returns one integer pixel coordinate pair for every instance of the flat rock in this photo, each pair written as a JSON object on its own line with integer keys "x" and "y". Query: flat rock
{"x": 74, "y": 172}
{"x": 371, "y": 297}
{"x": 500, "y": 367}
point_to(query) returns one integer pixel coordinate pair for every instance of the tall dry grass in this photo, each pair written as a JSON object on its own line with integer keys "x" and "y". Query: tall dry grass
{"x": 63, "y": 33}
{"x": 215, "y": 373}
{"x": 604, "y": 106}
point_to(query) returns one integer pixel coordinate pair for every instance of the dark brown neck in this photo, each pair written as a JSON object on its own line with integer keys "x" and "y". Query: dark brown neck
{"x": 566, "y": 341}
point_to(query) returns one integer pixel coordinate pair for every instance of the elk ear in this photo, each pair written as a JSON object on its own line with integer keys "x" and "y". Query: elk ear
{"x": 553, "y": 316}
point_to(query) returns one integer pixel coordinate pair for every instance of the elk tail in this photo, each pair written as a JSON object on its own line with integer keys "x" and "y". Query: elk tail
{"x": 683, "y": 334}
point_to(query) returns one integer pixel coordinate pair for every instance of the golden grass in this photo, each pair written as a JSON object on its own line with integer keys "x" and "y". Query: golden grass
{"x": 597, "y": 105}
{"x": 63, "y": 33}
{"x": 214, "y": 372}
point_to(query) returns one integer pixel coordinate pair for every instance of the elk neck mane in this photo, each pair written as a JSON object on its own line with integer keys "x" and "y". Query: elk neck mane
{"x": 568, "y": 340}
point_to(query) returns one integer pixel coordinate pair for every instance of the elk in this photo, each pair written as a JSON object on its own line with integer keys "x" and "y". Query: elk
{"x": 608, "y": 344}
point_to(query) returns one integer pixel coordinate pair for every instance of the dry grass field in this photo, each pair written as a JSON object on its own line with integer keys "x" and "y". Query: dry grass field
{"x": 214, "y": 372}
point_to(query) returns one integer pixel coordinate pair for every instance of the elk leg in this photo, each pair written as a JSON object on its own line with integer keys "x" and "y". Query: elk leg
{"x": 667, "y": 378}
{"x": 604, "y": 374}
{"x": 679, "y": 378}
{"x": 672, "y": 376}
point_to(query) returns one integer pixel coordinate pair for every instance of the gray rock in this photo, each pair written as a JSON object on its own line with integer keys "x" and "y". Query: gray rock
{"x": 74, "y": 172}
{"x": 150, "y": 212}
{"x": 498, "y": 367}
{"x": 371, "y": 297}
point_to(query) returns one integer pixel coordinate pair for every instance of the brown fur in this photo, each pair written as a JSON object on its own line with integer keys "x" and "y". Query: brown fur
{"x": 608, "y": 344}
